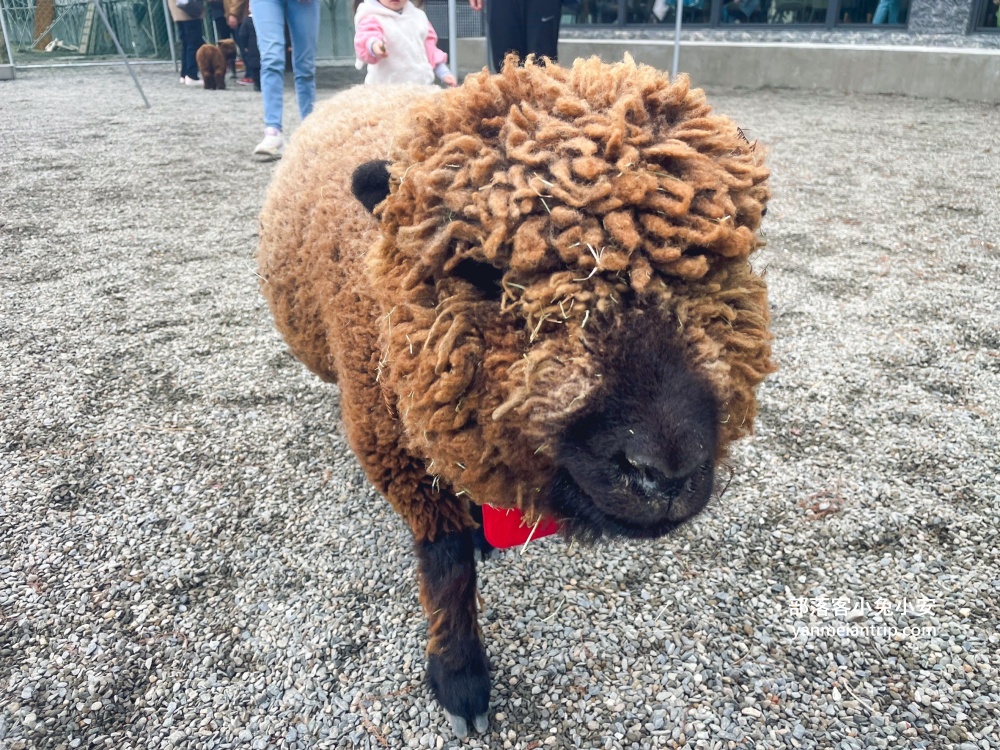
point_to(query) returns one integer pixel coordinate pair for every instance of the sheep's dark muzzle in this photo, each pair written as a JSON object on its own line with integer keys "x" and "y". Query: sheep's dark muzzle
{"x": 616, "y": 509}
{"x": 641, "y": 459}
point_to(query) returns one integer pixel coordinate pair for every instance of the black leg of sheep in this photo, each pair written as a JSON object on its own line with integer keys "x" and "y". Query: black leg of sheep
{"x": 483, "y": 548}
{"x": 457, "y": 669}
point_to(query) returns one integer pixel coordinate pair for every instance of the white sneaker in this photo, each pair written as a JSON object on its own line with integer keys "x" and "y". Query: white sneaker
{"x": 271, "y": 145}
{"x": 193, "y": 82}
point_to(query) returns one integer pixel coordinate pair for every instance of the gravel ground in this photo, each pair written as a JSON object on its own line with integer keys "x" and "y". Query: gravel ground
{"x": 190, "y": 557}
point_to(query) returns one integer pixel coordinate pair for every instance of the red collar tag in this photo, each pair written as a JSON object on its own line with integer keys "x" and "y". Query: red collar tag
{"x": 505, "y": 527}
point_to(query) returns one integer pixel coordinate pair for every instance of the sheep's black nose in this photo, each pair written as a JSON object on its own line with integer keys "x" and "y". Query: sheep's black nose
{"x": 663, "y": 476}
{"x": 679, "y": 457}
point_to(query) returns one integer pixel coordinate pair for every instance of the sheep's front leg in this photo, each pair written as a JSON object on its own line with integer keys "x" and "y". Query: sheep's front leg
{"x": 457, "y": 669}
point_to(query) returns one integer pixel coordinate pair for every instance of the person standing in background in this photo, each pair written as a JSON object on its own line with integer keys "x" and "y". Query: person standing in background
{"x": 189, "y": 30}
{"x": 398, "y": 43}
{"x": 992, "y": 19}
{"x": 235, "y": 11}
{"x": 217, "y": 11}
{"x": 247, "y": 39}
{"x": 887, "y": 10}
{"x": 527, "y": 27}
{"x": 270, "y": 17}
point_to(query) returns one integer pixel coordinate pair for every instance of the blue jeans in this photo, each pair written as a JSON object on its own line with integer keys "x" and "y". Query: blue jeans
{"x": 886, "y": 8}
{"x": 269, "y": 19}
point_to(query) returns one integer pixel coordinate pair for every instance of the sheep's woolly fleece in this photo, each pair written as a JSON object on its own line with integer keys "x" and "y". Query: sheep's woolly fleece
{"x": 594, "y": 190}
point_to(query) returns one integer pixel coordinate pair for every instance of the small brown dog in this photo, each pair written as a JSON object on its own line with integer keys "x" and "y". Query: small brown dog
{"x": 212, "y": 62}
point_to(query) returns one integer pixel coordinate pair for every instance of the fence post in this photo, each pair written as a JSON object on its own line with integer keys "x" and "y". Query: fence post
{"x": 118, "y": 46}
{"x": 6, "y": 38}
{"x": 170, "y": 34}
{"x": 677, "y": 36}
{"x": 453, "y": 37}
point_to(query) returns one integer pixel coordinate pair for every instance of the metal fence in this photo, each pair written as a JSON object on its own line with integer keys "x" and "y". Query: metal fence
{"x": 62, "y": 31}
{"x": 468, "y": 21}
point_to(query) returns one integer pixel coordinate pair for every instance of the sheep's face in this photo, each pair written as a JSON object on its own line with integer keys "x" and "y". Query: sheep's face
{"x": 639, "y": 458}
{"x": 571, "y": 324}
{"x": 228, "y": 47}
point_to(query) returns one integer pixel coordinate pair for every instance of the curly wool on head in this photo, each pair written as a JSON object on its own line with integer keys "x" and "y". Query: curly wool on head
{"x": 582, "y": 188}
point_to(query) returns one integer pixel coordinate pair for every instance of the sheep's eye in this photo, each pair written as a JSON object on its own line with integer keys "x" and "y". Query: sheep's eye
{"x": 482, "y": 276}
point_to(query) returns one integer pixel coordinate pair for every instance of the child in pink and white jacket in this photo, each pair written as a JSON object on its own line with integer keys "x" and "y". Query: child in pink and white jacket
{"x": 397, "y": 41}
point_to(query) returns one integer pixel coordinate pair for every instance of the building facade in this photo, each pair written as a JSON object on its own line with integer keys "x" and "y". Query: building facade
{"x": 932, "y": 48}
{"x": 968, "y": 24}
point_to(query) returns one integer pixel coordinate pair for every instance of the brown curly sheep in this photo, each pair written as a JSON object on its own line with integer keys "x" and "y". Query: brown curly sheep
{"x": 552, "y": 308}
{"x": 212, "y": 62}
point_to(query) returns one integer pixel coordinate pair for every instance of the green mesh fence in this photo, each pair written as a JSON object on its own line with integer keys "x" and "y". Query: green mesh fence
{"x": 62, "y": 31}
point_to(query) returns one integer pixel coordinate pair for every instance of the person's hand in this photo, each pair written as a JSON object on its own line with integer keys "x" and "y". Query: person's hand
{"x": 379, "y": 50}
{"x": 449, "y": 80}
{"x": 233, "y": 23}
{"x": 476, "y": 4}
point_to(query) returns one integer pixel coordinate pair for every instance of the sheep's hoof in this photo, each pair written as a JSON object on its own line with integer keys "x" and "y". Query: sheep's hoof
{"x": 461, "y": 727}
{"x": 463, "y": 693}
{"x": 458, "y": 725}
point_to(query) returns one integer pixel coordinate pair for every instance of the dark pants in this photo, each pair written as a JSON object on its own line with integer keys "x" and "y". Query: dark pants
{"x": 191, "y": 40}
{"x": 522, "y": 26}
{"x": 222, "y": 30}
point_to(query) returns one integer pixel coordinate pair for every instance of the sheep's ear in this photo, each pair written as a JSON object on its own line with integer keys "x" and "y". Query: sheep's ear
{"x": 370, "y": 183}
